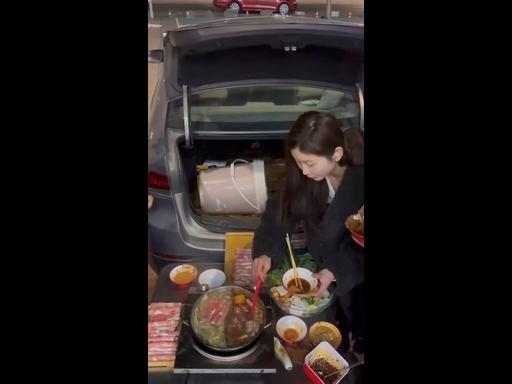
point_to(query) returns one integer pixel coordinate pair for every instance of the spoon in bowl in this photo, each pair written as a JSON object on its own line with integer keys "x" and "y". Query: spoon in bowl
{"x": 344, "y": 369}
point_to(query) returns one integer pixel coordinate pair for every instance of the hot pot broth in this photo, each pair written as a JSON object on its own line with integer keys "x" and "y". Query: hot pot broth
{"x": 223, "y": 319}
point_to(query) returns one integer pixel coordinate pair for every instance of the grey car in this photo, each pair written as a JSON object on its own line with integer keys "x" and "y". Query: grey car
{"x": 230, "y": 88}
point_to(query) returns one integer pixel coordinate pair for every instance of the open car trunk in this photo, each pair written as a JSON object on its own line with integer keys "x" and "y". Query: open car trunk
{"x": 235, "y": 87}
{"x": 270, "y": 151}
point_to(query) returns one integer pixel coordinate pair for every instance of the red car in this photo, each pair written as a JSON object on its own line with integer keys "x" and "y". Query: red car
{"x": 281, "y": 6}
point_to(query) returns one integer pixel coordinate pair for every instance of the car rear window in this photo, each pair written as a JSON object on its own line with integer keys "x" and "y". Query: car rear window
{"x": 263, "y": 107}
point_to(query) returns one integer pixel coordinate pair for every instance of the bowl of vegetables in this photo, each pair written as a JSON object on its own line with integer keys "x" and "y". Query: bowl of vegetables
{"x": 297, "y": 305}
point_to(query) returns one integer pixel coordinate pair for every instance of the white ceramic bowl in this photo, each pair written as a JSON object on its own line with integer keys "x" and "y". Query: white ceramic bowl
{"x": 304, "y": 274}
{"x": 213, "y": 277}
{"x": 292, "y": 322}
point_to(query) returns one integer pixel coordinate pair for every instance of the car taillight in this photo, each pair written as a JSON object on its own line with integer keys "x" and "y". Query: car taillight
{"x": 158, "y": 181}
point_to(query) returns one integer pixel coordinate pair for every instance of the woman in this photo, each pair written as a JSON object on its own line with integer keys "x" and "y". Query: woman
{"x": 322, "y": 188}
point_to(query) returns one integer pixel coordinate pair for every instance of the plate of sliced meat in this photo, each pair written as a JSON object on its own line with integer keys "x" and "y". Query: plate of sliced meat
{"x": 243, "y": 275}
{"x": 163, "y": 333}
{"x": 238, "y": 259}
{"x": 164, "y": 311}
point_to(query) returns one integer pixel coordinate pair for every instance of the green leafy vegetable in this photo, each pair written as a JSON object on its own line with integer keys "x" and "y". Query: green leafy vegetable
{"x": 273, "y": 278}
{"x": 306, "y": 261}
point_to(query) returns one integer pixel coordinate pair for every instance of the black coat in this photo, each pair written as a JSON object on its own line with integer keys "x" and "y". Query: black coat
{"x": 334, "y": 249}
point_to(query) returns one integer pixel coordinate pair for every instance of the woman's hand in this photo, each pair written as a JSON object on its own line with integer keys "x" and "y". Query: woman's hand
{"x": 325, "y": 278}
{"x": 261, "y": 265}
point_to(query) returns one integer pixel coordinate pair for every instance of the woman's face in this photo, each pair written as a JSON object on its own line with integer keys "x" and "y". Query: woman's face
{"x": 316, "y": 167}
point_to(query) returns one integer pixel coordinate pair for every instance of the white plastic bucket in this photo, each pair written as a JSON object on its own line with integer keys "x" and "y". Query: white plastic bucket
{"x": 237, "y": 189}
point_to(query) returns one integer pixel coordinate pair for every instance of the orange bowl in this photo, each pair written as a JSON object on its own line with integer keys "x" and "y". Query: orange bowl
{"x": 325, "y": 331}
{"x": 183, "y": 275}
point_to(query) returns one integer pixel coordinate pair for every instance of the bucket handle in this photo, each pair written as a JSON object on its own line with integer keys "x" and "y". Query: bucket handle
{"x": 236, "y": 185}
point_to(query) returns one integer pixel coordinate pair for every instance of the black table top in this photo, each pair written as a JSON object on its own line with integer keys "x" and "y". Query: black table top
{"x": 166, "y": 291}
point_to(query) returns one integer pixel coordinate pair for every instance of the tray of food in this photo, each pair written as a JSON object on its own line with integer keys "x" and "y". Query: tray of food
{"x": 163, "y": 334}
{"x": 285, "y": 294}
{"x": 355, "y": 224}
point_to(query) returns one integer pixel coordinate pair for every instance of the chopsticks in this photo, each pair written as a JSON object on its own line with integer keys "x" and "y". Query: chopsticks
{"x": 298, "y": 283}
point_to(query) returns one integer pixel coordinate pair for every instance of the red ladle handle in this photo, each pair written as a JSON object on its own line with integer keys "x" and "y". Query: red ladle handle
{"x": 256, "y": 293}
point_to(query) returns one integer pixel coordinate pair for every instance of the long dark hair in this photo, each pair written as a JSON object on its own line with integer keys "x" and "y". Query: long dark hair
{"x": 304, "y": 200}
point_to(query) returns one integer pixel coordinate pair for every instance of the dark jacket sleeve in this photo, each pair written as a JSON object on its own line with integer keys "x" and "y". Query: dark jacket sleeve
{"x": 347, "y": 265}
{"x": 269, "y": 237}
{"x": 346, "y": 258}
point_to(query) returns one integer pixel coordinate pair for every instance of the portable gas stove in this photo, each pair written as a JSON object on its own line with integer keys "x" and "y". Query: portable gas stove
{"x": 192, "y": 357}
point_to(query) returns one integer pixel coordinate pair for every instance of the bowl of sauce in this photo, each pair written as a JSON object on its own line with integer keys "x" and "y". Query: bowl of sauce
{"x": 303, "y": 285}
{"x": 291, "y": 329}
{"x": 183, "y": 275}
{"x": 325, "y": 331}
